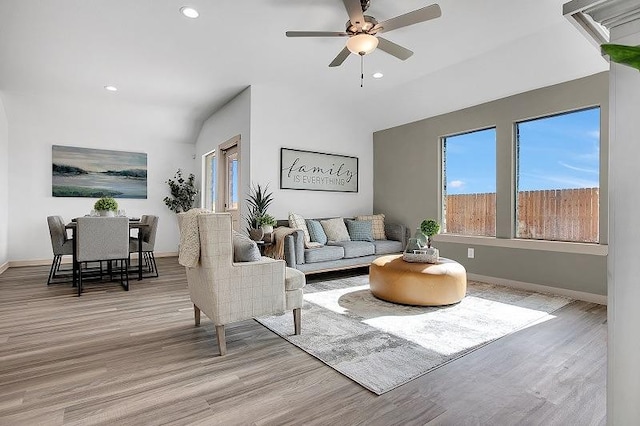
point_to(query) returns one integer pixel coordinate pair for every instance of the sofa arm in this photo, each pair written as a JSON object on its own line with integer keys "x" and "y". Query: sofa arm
{"x": 294, "y": 248}
{"x": 397, "y": 232}
{"x": 290, "y": 251}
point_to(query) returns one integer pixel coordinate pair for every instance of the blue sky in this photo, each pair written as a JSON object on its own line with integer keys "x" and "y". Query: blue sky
{"x": 557, "y": 152}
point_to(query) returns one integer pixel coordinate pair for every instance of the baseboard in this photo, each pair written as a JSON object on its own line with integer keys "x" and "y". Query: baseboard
{"x": 67, "y": 260}
{"x": 574, "y": 294}
{"x": 4, "y": 267}
{"x": 166, "y": 254}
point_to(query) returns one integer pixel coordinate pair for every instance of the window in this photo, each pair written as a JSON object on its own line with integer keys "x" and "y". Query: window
{"x": 558, "y": 175}
{"x": 210, "y": 181}
{"x": 469, "y": 183}
{"x": 232, "y": 179}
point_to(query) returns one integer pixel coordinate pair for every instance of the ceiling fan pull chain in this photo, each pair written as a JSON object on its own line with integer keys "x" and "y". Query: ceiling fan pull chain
{"x": 361, "y": 70}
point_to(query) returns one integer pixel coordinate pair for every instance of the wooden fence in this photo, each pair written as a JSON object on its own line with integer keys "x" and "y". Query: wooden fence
{"x": 556, "y": 214}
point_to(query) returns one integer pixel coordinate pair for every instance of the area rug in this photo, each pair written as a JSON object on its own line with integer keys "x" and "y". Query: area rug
{"x": 382, "y": 345}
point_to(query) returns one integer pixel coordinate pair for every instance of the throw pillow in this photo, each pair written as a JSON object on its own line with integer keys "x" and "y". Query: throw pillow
{"x": 377, "y": 225}
{"x": 335, "y": 229}
{"x": 316, "y": 233}
{"x": 297, "y": 222}
{"x": 360, "y": 230}
{"x": 244, "y": 249}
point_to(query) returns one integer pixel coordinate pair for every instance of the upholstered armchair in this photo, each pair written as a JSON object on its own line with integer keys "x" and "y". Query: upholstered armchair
{"x": 228, "y": 291}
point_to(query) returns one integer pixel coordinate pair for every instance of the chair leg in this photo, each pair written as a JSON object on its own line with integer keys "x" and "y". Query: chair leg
{"x": 154, "y": 265}
{"x": 222, "y": 343}
{"x": 52, "y": 271}
{"x": 297, "y": 320}
{"x": 125, "y": 266}
{"x": 196, "y": 315}
{"x": 79, "y": 279}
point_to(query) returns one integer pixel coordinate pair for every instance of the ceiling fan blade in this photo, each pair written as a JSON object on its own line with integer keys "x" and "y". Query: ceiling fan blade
{"x": 426, "y": 13}
{"x": 394, "y": 49}
{"x": 315, "y": 34}
{"x": 344, "y": 54}
{"x": 354, "y": 9}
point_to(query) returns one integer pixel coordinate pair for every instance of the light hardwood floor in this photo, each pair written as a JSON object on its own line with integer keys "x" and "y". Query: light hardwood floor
{"x": 116, "y": 357}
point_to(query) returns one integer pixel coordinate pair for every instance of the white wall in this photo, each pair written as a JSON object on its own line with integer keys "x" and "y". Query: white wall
{"x": 268, "y": 118}
{"x": 623, "y": 386}
{"x": 233, "y": 119}
{"x": 37, "y": 123}
{"x": 294, "y": 117}
{"x": 4, "y": 186}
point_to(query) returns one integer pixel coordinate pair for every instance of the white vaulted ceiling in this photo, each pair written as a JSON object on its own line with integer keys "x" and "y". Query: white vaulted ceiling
{"x": 477, "y": 51}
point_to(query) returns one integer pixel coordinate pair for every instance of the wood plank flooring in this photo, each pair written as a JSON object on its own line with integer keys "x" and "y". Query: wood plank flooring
{"x": 115, "y": 357}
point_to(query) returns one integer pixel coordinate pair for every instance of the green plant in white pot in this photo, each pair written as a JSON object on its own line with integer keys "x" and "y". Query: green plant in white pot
{"x": 106, "y": 206}
{"x": 266, "y": 222}
{"x": 429, "y": 228}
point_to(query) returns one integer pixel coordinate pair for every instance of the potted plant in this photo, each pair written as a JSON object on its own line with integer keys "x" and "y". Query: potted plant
{"x": 429, "y": 228}
{"x": 183, "y": 192}
{"x": 106, "y": 206}
{"x": 257, "y": 204}
{"x": 266, "y": 222}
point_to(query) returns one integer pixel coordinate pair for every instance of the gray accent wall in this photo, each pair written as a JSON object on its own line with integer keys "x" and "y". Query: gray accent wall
{"x": 4, "y": 186}
{"x": 407, "y": 182}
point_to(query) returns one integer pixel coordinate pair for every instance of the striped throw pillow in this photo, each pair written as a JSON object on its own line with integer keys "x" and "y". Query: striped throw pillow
{"x": 297, "y": 222}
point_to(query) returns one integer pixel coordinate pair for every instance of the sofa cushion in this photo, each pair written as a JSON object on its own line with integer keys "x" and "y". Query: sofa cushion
{"x": 323, "y": 254}
{"x": 359, "y": 230}
{"x": 244, "y": 249}
{"x": 316, "y": 232}
{"x": 377, "y": 225}
{"x": 354, "y": 248}
{"x": 388, "y": 246}
{"x": 335, "y": 229}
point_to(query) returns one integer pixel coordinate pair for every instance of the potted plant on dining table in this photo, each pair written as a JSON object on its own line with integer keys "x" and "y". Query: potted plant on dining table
{"x": 106, "y": 206}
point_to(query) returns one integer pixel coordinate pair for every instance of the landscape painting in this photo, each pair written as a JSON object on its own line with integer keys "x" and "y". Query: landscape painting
{"x": 94, "y": 173}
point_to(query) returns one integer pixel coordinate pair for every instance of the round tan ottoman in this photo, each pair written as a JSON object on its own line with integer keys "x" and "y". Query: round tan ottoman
{"x": 425, "y": 284}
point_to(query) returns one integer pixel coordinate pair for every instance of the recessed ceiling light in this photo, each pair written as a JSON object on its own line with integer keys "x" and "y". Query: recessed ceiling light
{"x": 377, "y": 75}
{"x": 189, "y": 12}
{"x": 111, "y": 88}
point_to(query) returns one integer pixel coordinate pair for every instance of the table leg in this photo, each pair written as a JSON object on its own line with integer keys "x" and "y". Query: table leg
{"x": 74, "y": 263}
{"x": 139, "y": 259}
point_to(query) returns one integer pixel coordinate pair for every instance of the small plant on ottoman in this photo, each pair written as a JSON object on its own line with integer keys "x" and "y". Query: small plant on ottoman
{"x": 429, "y": 228}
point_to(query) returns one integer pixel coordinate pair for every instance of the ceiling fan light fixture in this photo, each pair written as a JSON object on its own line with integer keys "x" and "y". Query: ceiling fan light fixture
{"x": 377, "y": 75}
{"x": 362, "y": 44}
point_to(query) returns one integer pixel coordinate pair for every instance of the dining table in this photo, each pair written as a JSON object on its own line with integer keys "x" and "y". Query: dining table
{"x": 134, "y": 223}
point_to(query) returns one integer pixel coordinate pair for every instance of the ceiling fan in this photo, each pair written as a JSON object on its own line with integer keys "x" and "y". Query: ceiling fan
{"x": 363, "y": 30}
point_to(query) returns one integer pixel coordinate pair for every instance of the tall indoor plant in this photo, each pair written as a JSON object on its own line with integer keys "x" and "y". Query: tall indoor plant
{"x": 258, "y": 203}
{"x": 183, "y": 192}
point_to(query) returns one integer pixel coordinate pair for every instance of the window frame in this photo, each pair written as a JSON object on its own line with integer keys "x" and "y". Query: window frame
{"x": 443, "y": 178}
{"x": 516, "y": 170}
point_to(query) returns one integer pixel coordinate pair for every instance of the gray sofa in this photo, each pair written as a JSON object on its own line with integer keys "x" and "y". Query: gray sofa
{"x": 341, "y": 255}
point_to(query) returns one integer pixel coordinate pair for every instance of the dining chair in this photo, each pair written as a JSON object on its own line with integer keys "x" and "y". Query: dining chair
{"x": 146, "y": 235}
{"x": 60, "y": 243}
{"x": 101, "y": 239}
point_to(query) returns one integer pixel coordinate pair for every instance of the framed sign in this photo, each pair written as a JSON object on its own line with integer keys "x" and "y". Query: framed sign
{"x": 317, "y": 171}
